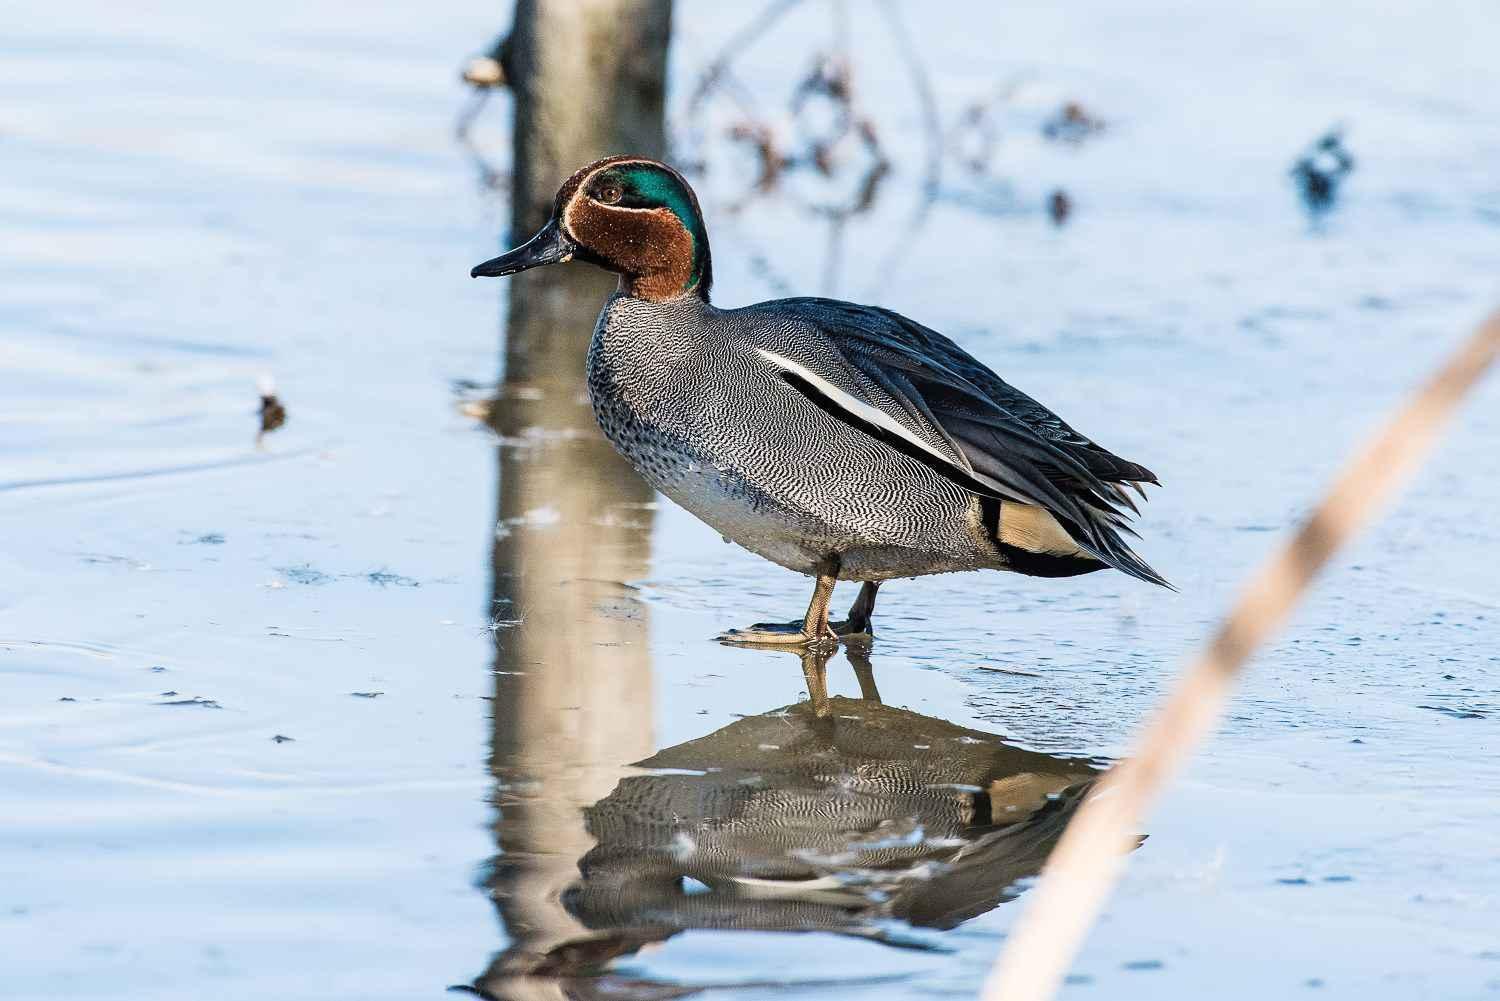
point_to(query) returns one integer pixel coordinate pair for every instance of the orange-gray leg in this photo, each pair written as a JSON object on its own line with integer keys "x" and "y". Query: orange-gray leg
{"x": 812, "y": 629}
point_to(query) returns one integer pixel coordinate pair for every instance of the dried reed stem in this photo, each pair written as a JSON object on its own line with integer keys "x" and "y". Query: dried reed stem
{"x": 1088, "y": 859}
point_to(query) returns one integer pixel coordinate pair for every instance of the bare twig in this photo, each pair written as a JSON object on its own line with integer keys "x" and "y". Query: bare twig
{"x": 1088, "y": 860}
{"x": 714, "y": 72}
{"x": 469, "y": 112}
{"x": 772, "y": 162}
{"x": 931, "y": 125}
{"x": 932, "y": 128}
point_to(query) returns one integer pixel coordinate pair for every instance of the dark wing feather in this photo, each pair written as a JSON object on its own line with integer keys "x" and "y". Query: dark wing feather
{"x": 1003, "y": 434}
{"x": 1101, "y": 462}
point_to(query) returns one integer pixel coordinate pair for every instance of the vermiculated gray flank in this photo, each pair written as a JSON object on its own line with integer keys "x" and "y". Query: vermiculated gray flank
{"x": 685, "y": 392}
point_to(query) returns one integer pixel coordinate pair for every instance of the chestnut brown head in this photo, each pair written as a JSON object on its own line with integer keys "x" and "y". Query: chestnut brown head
{"x": 636, "y": 217}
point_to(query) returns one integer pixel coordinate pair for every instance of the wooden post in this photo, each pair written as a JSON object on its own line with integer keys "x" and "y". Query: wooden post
{"x": 573, "y": 688}
{"x": 589, "y": 78}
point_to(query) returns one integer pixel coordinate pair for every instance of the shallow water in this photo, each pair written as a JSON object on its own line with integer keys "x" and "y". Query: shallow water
{"x": 194, "y": 198}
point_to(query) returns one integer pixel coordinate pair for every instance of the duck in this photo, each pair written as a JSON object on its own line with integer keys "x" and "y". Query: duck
{"x": 841, "y": 441}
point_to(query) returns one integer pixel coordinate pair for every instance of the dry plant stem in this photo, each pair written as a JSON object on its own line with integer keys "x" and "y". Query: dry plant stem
{"x": 923, "y": 86}
{"x": 737, "y": 44}
{"x": 1088, "y": 859}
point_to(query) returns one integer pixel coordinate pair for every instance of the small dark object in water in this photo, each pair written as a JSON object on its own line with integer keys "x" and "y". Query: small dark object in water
{"x": 196, "y": 700}
{"x": 272, "y": 411}
{"x": 367, "y": 695}
{"x": 282, "y": 738}
{"x": 1059, "y": 207}
{"x": 1321, "y": 170}
{"x": 1072, "y": 123}
{"x": 272, "y": 414}
{"x": 67, "y": 698}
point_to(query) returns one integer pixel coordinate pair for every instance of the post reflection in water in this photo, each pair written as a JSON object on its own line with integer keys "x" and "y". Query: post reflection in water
{"x": 572, "y": 681}
{"x": 838, "y": 815}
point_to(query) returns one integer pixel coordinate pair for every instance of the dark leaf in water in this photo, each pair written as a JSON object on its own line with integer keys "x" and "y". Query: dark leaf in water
{"x": 1059, "y": 207}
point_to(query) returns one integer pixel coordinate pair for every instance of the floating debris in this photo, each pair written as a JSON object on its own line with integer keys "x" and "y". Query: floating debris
{"x": 282, "y": 738}
{"x": 272, "y": 411}
{"x": 1320, "y": 172}
{"x": 384, "y": 578}
{"x": 1059, "y": 207}
{"x": 1143, "y": 964}
{"x": 196, "y": 700}
{"x": 367, "y": 695}
{"x": 67, "y": 698}
{"x": 1072, "y": 123}
{"x": 304, "y": 574}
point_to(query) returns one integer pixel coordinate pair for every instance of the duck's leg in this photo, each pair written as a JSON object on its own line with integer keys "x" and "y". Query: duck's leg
{"x": 815, "y": 671}
{"x": 813, "y": 628}
{"x": 857, "y": 622}
{"x": 864, "y": 673}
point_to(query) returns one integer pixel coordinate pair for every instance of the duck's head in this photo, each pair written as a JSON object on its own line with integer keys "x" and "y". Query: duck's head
{"x": 636, "y": 217}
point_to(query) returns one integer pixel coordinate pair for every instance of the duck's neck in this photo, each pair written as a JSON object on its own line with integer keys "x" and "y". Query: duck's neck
{"x": 666, "y": 285}
{"x": 629, "y": 296}
{"x": 669, "y": 259}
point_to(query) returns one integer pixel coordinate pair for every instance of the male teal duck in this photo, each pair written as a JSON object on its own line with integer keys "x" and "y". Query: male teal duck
{"x": 841, "y": 441}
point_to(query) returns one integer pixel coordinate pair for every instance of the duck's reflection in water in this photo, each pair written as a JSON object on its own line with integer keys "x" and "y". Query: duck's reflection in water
{"x": 837, "y": 815}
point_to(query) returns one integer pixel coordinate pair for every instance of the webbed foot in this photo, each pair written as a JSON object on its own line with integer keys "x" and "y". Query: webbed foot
{"x": 853, "y": 631}
{"x": 784, "y": 634}
{"x": 822, "y": 633}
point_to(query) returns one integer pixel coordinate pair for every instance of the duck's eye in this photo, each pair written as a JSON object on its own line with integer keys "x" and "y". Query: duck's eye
{"x": 610, "y": 194}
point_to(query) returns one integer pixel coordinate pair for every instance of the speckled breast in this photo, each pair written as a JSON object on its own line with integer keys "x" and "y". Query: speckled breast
{"x": 649, "y": 410}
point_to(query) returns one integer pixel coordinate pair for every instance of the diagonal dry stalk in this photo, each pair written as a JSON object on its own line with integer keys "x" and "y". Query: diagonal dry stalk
{"x": 1087, "y": 861}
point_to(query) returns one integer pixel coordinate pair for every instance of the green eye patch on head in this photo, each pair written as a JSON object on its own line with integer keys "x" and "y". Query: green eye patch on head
{"x": 649, "y": 186}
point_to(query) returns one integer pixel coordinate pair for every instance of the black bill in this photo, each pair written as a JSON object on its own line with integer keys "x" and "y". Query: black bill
{"x": 549, "y": 246}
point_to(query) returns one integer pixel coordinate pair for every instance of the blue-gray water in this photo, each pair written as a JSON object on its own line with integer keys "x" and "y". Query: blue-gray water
{"x": 195, "y": 195}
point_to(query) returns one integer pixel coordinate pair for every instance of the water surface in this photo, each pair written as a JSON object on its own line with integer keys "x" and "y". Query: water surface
{"x": 400, "y": 699}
